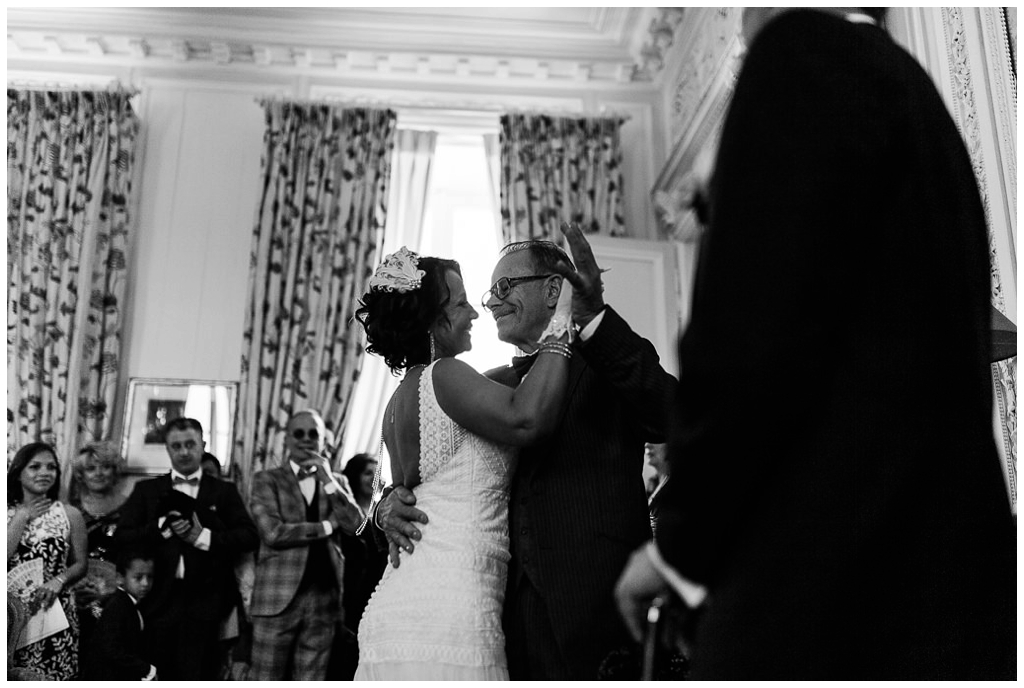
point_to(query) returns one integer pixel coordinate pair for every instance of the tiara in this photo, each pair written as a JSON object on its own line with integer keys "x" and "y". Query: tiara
{"x": 398, "y": 272}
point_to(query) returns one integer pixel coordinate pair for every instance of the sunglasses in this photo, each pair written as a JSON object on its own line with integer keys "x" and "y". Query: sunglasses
{"x": 503, "y": 287}
{"x": 300, "y": 434}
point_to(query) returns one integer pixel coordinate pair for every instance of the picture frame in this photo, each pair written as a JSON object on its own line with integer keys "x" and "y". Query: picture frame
{"x": 153, "y": 402}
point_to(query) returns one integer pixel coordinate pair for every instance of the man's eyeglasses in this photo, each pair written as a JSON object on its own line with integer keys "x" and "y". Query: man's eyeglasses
{"x": 503, "y": 287}
{"x": 300, "y": 434}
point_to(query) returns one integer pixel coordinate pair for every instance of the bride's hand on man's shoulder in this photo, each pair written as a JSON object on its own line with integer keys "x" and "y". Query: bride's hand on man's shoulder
{"x": 397, "y": 517}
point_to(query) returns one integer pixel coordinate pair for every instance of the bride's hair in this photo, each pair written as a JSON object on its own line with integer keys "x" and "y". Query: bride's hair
{"x": 397, "y": 323}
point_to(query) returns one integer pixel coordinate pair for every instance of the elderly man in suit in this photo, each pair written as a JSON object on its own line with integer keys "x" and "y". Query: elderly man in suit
{"x": 196, "y": 527}
{"x": 578, "y": 504}
{"x": 836, "y": 492}
{"x": 301, "y": 509}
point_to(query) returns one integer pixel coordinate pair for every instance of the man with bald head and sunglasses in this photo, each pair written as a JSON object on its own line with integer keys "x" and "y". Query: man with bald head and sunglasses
{"x": 300, "y": 509}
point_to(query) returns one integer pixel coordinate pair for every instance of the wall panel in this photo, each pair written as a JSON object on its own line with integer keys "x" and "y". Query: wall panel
{"x": 197, "y": 203}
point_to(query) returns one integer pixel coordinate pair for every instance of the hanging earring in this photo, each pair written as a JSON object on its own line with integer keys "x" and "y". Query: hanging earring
{"x": 433, "y": 351}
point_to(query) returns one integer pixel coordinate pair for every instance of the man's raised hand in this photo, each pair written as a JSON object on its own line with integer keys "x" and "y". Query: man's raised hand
{"x": 588, "y": 291}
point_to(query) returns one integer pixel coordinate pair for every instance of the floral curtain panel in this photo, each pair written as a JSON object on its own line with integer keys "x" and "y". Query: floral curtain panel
{"x": 70, "y": 156}
{"x": 410, "y": 180}
{"x": 560, "y": 169}
{"x": 325, "y": 178}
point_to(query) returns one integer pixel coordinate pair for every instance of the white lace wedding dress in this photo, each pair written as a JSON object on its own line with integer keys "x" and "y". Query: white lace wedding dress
{"x": 438, "y": 616}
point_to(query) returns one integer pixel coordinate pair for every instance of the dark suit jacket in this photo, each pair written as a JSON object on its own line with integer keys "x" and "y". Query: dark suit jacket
{"x": 578, "y": 505}
{"x": 114, "y": 651}
{"x": 835, "y": 481}
{"x": 208, "y": 590}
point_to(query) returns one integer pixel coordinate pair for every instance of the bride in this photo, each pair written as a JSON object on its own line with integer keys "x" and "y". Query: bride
{"x": 452, "y": 436}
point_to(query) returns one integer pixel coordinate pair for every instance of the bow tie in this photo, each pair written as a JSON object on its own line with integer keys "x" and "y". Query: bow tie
{"x": 178, "y": 480}
{"x": 522, "y": 364}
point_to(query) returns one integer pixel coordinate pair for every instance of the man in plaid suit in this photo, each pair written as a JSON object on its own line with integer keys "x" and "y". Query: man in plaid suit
{"x": 300, "y": 509}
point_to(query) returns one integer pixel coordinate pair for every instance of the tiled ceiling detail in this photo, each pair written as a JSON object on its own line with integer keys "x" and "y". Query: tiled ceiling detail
{"x": 542, "y": 45}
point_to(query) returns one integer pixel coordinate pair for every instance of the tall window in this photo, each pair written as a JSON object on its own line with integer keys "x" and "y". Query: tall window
{"x": 462, "y": 223}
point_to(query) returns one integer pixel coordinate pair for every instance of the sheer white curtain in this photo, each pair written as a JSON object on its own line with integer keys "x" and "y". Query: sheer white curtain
{"x": 410, "y": 180}
{"x": 492, "y": 149}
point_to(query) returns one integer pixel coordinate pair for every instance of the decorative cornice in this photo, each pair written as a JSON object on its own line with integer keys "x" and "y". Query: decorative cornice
{"x": 713, "y": 46}
{"x": 557, "y": 46}
{"x": 662, "y": 31}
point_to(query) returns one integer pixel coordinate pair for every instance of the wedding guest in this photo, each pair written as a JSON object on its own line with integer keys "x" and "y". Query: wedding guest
{"x": 40, "y": 526}
{"x": 116, "y": 651}
{"x": 364, "y": 563}
{"x": 211, "y": 466}
{"x": 837, "y": 497}
{"x": 97, "y": 491}
{"x": 196, "y": 527}
{"x": 301, "y": 509}
{"x": 578, "y": 505}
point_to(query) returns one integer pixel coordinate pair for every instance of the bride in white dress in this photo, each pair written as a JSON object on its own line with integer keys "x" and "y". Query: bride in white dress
{"x": 452, "y": 436}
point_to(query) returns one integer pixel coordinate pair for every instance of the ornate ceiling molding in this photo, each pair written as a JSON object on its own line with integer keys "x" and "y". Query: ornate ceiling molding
{"x": 710, "y": 46}
{"x": 556, "y": 46}
{"x": 661, "y": 35}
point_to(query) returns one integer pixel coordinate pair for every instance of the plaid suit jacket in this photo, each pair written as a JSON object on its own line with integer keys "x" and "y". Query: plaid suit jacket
{"x": 280, "y": 513}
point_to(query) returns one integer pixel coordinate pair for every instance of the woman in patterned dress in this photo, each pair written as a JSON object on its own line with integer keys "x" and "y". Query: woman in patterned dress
{"x": 39, "y": 526}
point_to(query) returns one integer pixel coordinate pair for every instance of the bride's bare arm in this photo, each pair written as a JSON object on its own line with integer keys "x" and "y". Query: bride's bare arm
{"x": 518, "y": 416}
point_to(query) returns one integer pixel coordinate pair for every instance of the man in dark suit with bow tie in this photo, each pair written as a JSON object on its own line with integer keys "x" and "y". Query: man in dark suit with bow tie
{"x": 196, "y": 527}
{"x": 578, "y": 504}
{"x": 301, "y": 510}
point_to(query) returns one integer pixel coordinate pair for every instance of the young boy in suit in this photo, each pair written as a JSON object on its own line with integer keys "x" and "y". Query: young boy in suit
{"x": 115, "y": 651}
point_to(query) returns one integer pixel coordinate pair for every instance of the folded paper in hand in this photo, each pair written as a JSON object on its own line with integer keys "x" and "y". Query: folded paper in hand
{"x": 23, "y": 580}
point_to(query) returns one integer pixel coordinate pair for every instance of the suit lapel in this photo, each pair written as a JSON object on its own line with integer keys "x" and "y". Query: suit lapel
{"x": 204, "y": 494}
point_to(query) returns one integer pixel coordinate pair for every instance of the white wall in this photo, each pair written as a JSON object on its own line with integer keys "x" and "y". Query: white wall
{"x": 197, "y": 201}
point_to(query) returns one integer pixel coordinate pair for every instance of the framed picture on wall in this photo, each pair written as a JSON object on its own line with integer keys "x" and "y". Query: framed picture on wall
{"x": 152, "y": 403}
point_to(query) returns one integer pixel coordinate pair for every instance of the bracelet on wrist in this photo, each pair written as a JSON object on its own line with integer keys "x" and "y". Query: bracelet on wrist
{"x": 556, "y": 348}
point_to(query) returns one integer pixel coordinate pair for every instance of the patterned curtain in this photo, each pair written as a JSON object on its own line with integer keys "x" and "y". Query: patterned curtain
{"x": 70, "y": 156}
{"x": 559, "y": 169}
{"x": 325, "y": 177}
{"x": 410, "y": 181}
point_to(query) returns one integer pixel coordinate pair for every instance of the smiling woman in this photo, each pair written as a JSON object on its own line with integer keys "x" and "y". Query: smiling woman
{"x": 40, "y": 528}
{"x": 98, "y": 492}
